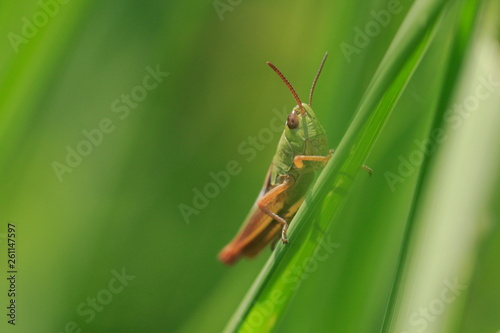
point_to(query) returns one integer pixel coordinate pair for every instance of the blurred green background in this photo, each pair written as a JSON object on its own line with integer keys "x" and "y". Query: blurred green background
{"x": 67, "y": 69}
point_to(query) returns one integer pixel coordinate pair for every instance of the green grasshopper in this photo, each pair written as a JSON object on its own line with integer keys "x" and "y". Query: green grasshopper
{"x": 302, "y": 149}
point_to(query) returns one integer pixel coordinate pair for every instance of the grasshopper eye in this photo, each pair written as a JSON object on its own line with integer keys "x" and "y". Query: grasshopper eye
{"x": 292, "y": 121}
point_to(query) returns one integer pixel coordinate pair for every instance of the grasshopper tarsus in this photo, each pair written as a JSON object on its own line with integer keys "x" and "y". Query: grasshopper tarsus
{"x": 367, "y": 168}
{"x": 283, "y": 236}
{"x": 283, "y": 233}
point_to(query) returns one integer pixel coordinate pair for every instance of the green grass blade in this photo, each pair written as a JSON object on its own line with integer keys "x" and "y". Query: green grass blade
{"x": 456, "y": 57}
{"x": 435, "y": 237}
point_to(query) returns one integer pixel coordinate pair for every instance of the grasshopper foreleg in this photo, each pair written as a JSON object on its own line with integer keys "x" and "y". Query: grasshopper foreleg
{"x": 298, "y": 160}
{"x": 263, "y": 202}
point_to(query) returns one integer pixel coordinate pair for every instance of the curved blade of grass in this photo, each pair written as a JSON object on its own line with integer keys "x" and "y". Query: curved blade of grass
{"x": 435, "y": 236}
{"x": 275, "y": 286}
{"x": 459, "y": 48}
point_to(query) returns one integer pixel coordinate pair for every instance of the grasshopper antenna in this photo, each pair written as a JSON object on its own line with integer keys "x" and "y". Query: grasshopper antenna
{"x": 297, "y": 99}
{"x": 316, "y": 79}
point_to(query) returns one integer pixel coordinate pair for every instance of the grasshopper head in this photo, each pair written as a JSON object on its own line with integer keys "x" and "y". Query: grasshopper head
{"x": 302, "y": 116}
{"x": 302, "y": 123}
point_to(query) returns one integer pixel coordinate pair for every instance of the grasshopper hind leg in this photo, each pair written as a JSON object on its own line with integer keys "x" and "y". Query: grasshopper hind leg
{"x": 270, "y": 197}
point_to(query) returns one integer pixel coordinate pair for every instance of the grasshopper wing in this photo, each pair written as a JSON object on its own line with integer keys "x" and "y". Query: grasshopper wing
{"x": 258, "y": 230}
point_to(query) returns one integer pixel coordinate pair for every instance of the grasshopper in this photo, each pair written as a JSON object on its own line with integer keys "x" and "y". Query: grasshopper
{"x": 302, "y": 150}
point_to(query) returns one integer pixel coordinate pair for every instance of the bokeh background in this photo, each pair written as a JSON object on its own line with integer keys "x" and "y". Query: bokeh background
{"x": 67, "y": 69}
